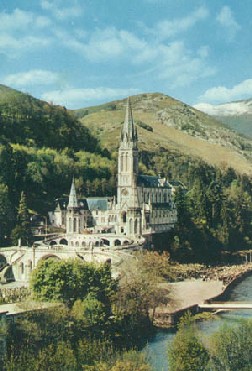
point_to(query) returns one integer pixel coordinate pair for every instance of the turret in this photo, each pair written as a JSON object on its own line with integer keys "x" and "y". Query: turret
{"x": 73, "y": 213}
{"x": 73, "y": 202}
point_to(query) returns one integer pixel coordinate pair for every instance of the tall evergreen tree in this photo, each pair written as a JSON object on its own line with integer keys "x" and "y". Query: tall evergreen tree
{"x": 23, "y": 227}
{"x": 6, "y": 215}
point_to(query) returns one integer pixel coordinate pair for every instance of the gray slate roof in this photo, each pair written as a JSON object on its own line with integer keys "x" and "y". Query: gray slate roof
{"x": 100, "y": 203}
{"x": 152, "y": 182}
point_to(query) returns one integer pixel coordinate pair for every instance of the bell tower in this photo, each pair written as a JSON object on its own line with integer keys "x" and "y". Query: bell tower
{"x": 127, "y": 196}
{"x": 128, "y": 162}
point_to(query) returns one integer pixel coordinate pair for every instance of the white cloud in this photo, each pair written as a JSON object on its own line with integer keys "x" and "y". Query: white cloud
{"x": 20, "y": 20}
{"x": 226, "y": 19}
{"x": 21, "y": 32}
{"x": 229, "y": 109}
{"x": 166, "y": 29}
{"x": 181, "y": 67}
{"x": 32, "y": 77}
{"x": 103, "y": 44}
{"x": 173, "y": 63}
{"x": 77, "y": 98}
{"x": 221, "y": 94}
{"x": 14, "y": 46}
{"x": 203, "y": 51}
{"x": 60, "y": 10}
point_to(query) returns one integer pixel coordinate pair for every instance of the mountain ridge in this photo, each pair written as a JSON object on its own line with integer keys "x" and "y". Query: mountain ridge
{"x": 236, "y": 114}
{"x": 166, "y": 123}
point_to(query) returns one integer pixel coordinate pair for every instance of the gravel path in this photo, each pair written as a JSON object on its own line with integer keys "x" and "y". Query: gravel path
{"x": 188, "y": 293}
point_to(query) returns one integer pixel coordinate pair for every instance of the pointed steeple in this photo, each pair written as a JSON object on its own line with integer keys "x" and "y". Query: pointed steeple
{"x": 73, "y": 203}
{"x": 129, "y": 132}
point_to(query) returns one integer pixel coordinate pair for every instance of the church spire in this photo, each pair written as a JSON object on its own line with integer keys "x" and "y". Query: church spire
{"x": 73, "y": 203}
{"x": 129, "y": 131}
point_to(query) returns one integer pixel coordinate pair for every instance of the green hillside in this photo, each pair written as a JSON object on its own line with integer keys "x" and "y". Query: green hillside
{"x": 29, "y": 121}
{"x": 166, "y": 124}
{"x": 43, "y": 146}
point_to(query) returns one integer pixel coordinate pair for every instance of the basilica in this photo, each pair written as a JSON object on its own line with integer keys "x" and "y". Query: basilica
{"x": 102, "y": 229}
{"x": 142, "y": 207}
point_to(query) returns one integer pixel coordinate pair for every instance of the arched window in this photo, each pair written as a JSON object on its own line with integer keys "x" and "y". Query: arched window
{"x": 124, "y": 216}
{"x": 121, "y": 162}
{"x": 63, "y": 241}
{"x": 135, "y": 226}
{"x": 75, "y": 225}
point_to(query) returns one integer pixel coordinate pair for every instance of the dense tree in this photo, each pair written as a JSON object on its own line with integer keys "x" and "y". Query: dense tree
{"x": 69, "y": 280}
{"x": 187, "y": 353}
{"x": 22, "y": 230}
{"x": 231, "y": 347}
{"x": 90, "y": 311}
{"x": 6, "y": 215}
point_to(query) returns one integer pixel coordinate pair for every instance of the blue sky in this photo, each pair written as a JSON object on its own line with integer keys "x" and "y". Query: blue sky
{"x": 85, "y": 52}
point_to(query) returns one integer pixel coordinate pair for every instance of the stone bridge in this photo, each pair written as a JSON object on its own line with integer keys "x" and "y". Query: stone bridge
{"x": 16, "y": 263}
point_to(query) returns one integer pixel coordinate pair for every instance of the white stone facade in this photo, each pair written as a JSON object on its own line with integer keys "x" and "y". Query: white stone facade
{"x": 143, "y": 206}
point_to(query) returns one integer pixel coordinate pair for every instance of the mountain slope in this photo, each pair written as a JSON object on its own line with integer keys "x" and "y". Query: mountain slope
{"x": 166, "y": 124}
{"x": 30, "y": 121}
{"x": 237, "y": 115}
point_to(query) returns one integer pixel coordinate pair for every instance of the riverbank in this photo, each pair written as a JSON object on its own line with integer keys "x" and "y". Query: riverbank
{"x": 186, "y": 295}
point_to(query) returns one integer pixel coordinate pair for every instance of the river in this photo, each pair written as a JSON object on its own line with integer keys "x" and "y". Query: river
{"x": 157, "y": 347}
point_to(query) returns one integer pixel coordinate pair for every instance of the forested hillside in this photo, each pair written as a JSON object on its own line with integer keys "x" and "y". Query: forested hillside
{"x": 43, "y": 146}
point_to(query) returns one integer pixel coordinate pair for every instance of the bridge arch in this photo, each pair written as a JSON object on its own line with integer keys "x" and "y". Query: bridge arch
{"x": 49, "y": 256}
